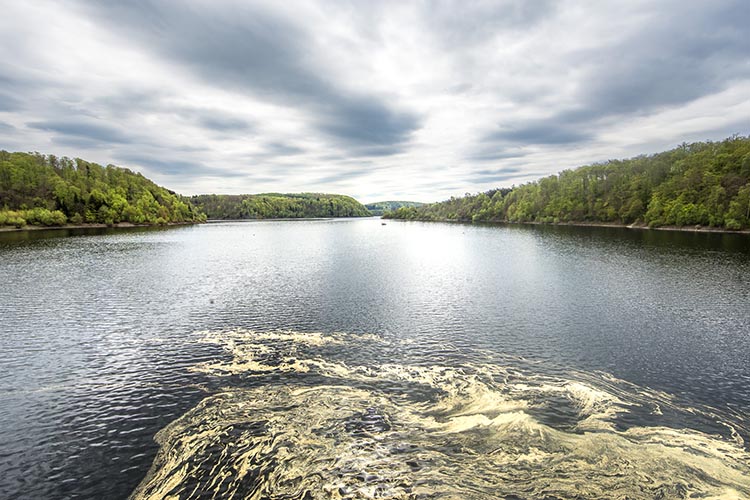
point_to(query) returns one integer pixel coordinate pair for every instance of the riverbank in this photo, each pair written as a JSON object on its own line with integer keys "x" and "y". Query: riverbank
{"x": 689, "y": 229}
{"x": 10, "y": 229}
{"x": 277, "y": 219}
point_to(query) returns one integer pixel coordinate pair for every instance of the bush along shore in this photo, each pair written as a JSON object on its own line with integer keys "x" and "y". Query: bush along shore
{"x": 92, "y": 225}
{"x": 699, "y": 186}
{"x": 47, "y": 191}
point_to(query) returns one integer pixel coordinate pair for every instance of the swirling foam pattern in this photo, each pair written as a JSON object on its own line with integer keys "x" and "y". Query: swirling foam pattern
{"x": 296, "y": 422}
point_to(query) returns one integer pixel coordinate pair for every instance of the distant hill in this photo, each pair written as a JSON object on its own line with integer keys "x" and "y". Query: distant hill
{"x": 381, "y": 207}
{"x": 49, "y": 191}
{"x": 704, "y": 183}
{"x": 278, "y": 206}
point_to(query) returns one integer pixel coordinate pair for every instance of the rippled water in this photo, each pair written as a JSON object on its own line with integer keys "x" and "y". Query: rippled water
{"x": 345, "y": 359}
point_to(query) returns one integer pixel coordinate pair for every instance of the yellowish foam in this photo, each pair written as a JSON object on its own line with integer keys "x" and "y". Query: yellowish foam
{"x": 476, "y": 437}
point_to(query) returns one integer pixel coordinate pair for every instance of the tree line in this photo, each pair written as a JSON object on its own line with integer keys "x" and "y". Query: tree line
{"x": 278, "y": 206}
{"x": 703, "y": 183}
{"x": 381, "y": 207}
{"x": 51, "y": 191}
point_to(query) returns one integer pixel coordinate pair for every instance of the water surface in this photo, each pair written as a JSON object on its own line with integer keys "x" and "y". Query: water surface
{"x": 345, "y": 358}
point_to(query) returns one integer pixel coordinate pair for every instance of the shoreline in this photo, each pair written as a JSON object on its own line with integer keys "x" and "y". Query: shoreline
{"x": 119, "y": 225}
{"x": 642, "y": 227}
{"x": 213, "y": 221}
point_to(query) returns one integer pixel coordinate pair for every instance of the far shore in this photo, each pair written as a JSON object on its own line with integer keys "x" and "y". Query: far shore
{"x": 29, "y": 227}
{"x": 689, "y": 229}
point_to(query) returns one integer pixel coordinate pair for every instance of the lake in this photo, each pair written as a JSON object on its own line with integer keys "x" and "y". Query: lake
{"x": 350, "y": 359}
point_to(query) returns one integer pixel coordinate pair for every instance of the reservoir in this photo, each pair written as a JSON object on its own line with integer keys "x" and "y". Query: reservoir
{"x": 348, "y": 359}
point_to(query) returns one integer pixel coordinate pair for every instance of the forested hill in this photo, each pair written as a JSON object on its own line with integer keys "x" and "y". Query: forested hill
{"x": 704, "y": 183}
{"x": 380, "y": 207}
{"x": 278, "y": 206}
{"x": 52, "y": 191}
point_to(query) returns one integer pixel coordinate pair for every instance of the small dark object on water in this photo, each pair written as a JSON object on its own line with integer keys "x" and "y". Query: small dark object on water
{"x": 382, "y": 223}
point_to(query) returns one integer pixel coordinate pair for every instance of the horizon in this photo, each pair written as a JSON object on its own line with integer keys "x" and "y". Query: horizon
{"x": 379, "y": 102}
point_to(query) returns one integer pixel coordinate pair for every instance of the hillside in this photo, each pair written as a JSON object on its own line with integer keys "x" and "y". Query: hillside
{"x": 380, "y": 207}
{"x": 278, "y": 206}
{"x": 704, "y": 183}
{"x": 50, "y": 191}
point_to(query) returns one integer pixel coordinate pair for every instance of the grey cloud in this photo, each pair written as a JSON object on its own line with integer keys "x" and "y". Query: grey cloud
{"x": 494, "y": 175}
{"x": 554, "y": 131}
{"x": 140, "y": 101}
{"x": 190, "y": 149}
{"x": 281, "y": 149}
{"x": 9, "y": 103}
{"x": 677, "y": 57}
{"x": 277, "y": 168}
{"x": 6, "y": 128}
{"x": 89, "y": 130}
{"x": 243, "y": 49}
{"x": 375, "y": 151}
{"x": 489, "y": 153}
{"x": 214, "y": 120}
{"x": 78, "y": 142}
{"x": 498, "y": 171}
{"x": 130, "y": 100}
{"x": 224, "y": 123}
{"x": 458, "y": 22}
{"x": 368, "y": 124}
{"x": 13, "y": 88}
{"x": 176, "y": 166}
{"x": 342, "y": 176}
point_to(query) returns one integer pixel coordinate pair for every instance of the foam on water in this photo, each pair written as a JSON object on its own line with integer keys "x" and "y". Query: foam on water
{"x": 297, "y": 422}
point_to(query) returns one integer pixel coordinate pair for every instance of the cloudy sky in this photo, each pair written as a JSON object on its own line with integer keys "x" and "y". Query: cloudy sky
{"x": 380, "y": 100}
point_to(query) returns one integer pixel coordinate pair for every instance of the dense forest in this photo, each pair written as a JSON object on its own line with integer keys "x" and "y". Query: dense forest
{"x": 50, "y": 191}
{"x": 381, "y": 207}
{"x": 704, "y": 183}
{"x": 278, "y": 206}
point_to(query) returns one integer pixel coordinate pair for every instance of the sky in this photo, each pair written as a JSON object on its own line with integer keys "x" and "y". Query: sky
{"x": 381, "y": 100}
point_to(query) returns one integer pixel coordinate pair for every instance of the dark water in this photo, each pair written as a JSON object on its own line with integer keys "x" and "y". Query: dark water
{"x": 346, "y": 359}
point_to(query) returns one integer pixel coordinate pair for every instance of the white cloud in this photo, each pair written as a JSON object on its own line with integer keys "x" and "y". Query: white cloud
{"x": 379, "y": 100}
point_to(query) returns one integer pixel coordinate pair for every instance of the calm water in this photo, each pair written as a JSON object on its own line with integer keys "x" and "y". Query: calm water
{"x": 346, "y": 359}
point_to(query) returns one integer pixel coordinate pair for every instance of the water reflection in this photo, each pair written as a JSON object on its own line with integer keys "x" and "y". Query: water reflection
{"x": 98, "y": 332}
